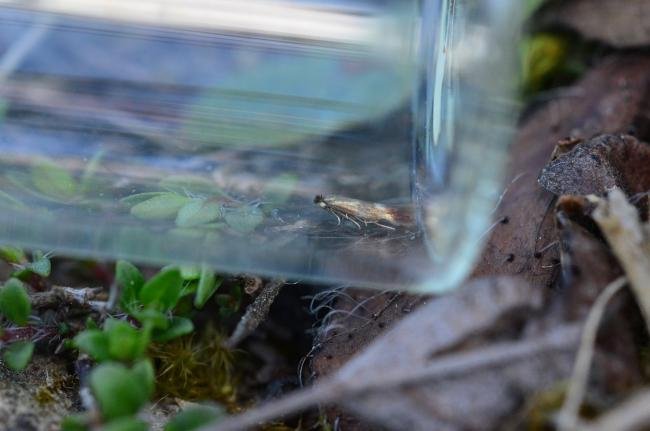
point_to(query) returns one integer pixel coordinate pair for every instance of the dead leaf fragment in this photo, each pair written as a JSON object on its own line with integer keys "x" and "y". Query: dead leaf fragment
{"x": 615, "y": 22}
{"x": 386, "y": 382}
{"x": 620, "y": 223}
{"x": 598, "y": 165}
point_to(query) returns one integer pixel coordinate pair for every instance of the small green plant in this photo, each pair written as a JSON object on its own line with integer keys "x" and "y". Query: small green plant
{"x": 125, "y": 378}
{"x": 50, "y": 184}
{"x": 15, "y": 306}
{"x": 135, "y": 349}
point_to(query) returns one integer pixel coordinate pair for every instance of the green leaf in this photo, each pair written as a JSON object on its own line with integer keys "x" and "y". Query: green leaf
{"x": 78, "y": 422}
{"x": 126, "y": 424}
{"x": 125, "y": 343}
{"x": 154, "y": 318}
{"x": 40, "y": 264}
{"x": 13, "y": 255}
{"x": 137, "y": 198}
{"x": 14, "y": 302}
{"x": 198, "y": 212}
{"x": 163, "y": 206}
{"x": 143, "y": 373}
{"x": 53, "y": 181}
{"x": 93, "y": 342}
{"x": 190, "y": 272}
{"x": 179, "y": 326}
{"x": 193, "y": 418}
{"x": 208, "y": 284}
{"x": 131, "y": 280}
{"x": 18, "y": 354}
{"x": 119, "y": 391}
{"x": 280, "y": 188}
{"x": 245, "y": 219}
{"x": 163, "y": 290}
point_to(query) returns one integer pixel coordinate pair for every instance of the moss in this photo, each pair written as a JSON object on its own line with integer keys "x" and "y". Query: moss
{"x": 196, "y": 368}
{"x": 44, "y": 396}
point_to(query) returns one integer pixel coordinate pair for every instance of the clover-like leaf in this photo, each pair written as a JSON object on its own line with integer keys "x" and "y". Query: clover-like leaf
{"x": 149, "y": 317}
{"x": 163, "y": 290}
{"x": 131, "y": 280}
{"x": 178, "y": 327}
{"x": 143, "y": 373}
{"x": 118, "y": 390}
{"x": 160, "y": 207}
{"x": 198, "y": 212}
{"x": 14, "y": 302}
{"x": 13, "y": 255}
{"x": 53, "y": 181}
{"x": 40, "y": 264}
{"x": 245, "y": 219}
{"x": 94, "y": 343}
{"x": 18, "y": 355}
{"x": 208, "y": 284}
{"x": 124, "y": 341}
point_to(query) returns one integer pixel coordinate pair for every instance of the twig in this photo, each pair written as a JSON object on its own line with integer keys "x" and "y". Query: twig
{"x": 87, "y": 297}
{"x": 619, "y": 222}
{"x": 255, "y": 313}
{"x": 568, "y": 418}
{"x": 334, "y": 390}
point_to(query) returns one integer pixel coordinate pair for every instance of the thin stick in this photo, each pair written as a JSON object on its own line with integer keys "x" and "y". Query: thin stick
{"x": 87, "y": 297}
{"x": 255, "y": 313}
{"x": 568, "y": 418}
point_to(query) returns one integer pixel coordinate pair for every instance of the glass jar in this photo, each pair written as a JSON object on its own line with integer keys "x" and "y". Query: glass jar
{"x": 357, "y": 142}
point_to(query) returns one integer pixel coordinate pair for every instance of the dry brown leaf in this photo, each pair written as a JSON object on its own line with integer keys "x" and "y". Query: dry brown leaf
{"x": 523, "y": 243}
{"x": 587, "y": 263}
{"x": 620, "y": 223}
{"x": 621, "y": 23}
{"x": 386, "y": 382}
{"x": 595, "y": 166}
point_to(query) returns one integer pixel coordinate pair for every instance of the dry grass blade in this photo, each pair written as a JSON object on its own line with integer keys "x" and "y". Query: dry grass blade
{"x": 568, "y": 417}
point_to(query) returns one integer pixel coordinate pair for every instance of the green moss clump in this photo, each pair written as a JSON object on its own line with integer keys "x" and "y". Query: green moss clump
{"x": 196, "y": 368}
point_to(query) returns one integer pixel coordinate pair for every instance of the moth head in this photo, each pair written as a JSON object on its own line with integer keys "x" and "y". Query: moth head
{"x": 320, "y": 201}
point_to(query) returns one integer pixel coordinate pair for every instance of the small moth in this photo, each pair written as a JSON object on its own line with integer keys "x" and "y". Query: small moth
{"x": 361, "y": 212}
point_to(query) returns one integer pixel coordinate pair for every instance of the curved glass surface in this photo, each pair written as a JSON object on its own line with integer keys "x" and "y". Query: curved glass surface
{"x": 201, "y": 132}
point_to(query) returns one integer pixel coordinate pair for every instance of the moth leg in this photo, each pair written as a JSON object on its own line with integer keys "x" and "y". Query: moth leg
{"x": 353, "y": 220}
{"x": 337, "y": 217}
{"x": 385, "y": 226}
